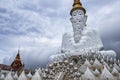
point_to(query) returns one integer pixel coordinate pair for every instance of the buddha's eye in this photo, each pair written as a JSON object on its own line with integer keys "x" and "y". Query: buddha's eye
{"x": 74, "y": 14}
{"x": 80, "y": 14}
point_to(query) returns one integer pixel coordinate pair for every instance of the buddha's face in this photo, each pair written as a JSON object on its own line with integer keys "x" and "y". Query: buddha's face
{"x": 78, "y": 19}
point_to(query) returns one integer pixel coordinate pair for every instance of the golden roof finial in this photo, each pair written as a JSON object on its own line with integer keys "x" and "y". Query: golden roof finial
{"x": 77, "y": 2}
{"x": 77, "y": 5}
{"x": 18, "y": 50}
{"x": 18, "y": 55}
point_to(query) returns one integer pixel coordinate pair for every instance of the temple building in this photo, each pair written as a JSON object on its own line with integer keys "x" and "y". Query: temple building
{"x": 15, "y": 66}
{"x": 82, "y": 55}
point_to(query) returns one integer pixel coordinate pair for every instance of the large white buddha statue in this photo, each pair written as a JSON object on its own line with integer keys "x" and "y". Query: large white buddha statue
{"x": 83, "y": 39}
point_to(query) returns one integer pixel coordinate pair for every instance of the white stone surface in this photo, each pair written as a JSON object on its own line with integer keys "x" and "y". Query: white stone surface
{"x": 88, "y": 75}
{"x": 109, "y": 53}
{"x": 97, "y": 64}
{"x": 15, "y": 76}
{"x": 106, "y": 75}
{"x": 9, "y": 77}
{"x": 36, "y": 76}
{"x": 22, "y": 76}
{"x": 2, "y": 76}
{"x": 114, "y": 71}
{"x": 97, "y": 73}
{"x": 29, "y": 75}
{"x": 59, "y": 76}
{"x": 87, "y": 63}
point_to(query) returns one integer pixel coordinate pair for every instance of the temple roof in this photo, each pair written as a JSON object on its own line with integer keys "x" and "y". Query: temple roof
{"x": 16, "y": 64}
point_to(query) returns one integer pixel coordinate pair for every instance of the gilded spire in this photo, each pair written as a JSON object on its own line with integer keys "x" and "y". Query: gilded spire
{"x": 77, "y": 5}
{"x": 18, "y": 50}
{"x": 18, "y": 55}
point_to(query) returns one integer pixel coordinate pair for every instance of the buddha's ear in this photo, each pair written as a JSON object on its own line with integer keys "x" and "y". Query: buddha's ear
{"x": 71, "y": 19}
{"x": 86, "y": 18}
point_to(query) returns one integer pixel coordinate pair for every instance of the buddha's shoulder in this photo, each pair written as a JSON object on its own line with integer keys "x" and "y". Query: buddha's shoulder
{"x": 88, "y": 30}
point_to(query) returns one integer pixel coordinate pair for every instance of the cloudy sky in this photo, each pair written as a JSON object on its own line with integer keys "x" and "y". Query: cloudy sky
{"x": 37, "y": 26}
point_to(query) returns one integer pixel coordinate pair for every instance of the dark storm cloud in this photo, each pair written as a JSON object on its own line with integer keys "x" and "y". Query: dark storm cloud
{"x": 37, "y": 27}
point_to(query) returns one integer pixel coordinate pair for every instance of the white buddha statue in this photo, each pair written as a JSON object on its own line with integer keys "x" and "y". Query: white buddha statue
{"x": 82, "y": 37}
